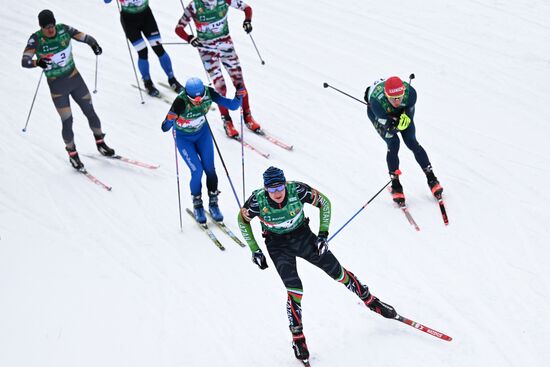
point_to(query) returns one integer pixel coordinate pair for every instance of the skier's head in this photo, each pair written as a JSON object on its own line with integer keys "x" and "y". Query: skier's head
{"x": 194, "y": 88}
{"x": 275, "y": 183}
{"x": 46, "y": 20}
{"x": 394, "y": 89}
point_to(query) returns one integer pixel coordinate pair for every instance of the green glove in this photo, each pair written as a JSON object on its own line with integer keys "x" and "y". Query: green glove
{"x": 404, "y": 122}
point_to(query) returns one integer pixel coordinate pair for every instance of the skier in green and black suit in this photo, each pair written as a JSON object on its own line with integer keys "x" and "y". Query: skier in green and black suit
{"x": 52, "y": 47}
{"x": 279, "y": 206}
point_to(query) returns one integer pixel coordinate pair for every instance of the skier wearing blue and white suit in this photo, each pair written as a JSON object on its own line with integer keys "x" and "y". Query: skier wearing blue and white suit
{"x": 194, "y": 140}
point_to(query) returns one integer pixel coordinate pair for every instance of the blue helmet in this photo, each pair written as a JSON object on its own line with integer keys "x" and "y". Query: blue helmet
{"x": 274, "y": 176}
{"x": 194, "y": 88}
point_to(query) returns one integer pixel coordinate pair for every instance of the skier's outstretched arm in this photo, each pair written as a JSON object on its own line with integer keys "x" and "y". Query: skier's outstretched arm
{"x": 232, "y": 104}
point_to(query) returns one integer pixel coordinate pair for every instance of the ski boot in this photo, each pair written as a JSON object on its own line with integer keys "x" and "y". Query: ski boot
{"x": 435, "y": 187}
{"x": 175, "y": 85}
{"x": 397, "y": 189}
{"x": 103, "y": 148}
{"x": 230, "y": 130}
{"x": 251, "y": 123}
{"x": 299, "y": 344}
{"x": 150, "y": 88}
{"x": 213, "y": 207}
{"x": 74, "y": 158}
{"x": 198, "y": 210}
{"x": 374, "y": 304}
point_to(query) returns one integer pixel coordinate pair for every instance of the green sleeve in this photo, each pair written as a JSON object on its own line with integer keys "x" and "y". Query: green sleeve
{"x": 324, "y": 212}
{"x": 246, "y": 231}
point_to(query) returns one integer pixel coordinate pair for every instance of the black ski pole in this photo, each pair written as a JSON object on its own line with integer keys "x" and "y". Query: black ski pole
{"x": 224, "y": 166}
{"x": 130, "y": 52}
{"x": 359, "y": 211}
{"x": 95, "y": 84}
{"x": 326, "y": 85}
{"x": 33, "y": 99}
{"x": 411, "y": 77}
{"x": 178, "y": 178}
{"x": 242, "y": 152}
{"x": 258, "y": 52}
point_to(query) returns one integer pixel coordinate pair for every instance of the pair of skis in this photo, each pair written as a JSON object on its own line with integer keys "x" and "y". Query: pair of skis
{"x": 119, "y": 158}
{"x": 405, "y": 209}
{"x": 211, "y": 235}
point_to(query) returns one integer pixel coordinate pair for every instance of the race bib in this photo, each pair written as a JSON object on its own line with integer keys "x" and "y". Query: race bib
{"x": 215, "y": 27}
{"x": 191, "y": 124}
{"x": 61, "y": 58}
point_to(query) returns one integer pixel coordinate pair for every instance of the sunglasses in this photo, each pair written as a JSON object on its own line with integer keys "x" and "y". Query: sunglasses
{"x": 49, "y": 26}
{"x": 273, "y": 189}
{"x": 396, "y": 98}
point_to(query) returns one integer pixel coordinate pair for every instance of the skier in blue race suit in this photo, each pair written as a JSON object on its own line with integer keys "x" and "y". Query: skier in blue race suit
{"x": 194, "y": 140}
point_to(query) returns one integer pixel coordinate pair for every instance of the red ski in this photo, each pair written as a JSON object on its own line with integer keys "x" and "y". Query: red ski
{"x": 125, "y": 160}
{"x": 251, "y": 147}
{"x": 405, "y": 209}
{"x": 273, "y": 139}
{"x": 94, "y": 179}
{"x": 439, "y": 199}
{"x": 134, "y": 162}
{"x": 423, "y": 328}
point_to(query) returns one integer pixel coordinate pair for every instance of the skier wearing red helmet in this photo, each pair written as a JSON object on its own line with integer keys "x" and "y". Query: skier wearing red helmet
{"x": 391, "y": 105}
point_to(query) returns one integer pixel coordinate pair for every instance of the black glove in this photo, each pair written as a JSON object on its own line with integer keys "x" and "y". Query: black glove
{"x": 258, "y": 258}
{"x": 389, "y": 128}
{"x": 97, "y": 50}
{"x": 322, "y": 243}
{"x": 194, "y": 41}
{"x": 44, "y": 62}
{"x": 247, "y": 26}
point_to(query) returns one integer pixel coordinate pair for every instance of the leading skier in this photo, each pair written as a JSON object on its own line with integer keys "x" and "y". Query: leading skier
{"x": 279, "y": 206}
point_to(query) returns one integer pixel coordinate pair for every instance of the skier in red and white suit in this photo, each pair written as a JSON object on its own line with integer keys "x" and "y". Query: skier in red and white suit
{"x": 215, "y": 47}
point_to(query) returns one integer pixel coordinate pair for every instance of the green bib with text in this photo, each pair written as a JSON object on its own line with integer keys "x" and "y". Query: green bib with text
{"x": 211, "y": 23}
{"x": 58, "y": 49}
{"x": 283, "y": 220}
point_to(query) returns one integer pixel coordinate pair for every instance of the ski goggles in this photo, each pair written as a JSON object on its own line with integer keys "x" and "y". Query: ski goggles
{"x": 196, "y": 100}
{"x": 277, "y": 188}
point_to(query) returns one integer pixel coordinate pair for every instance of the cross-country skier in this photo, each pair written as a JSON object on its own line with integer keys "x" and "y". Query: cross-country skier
{"x": 194, "y": 140}
{"x": 52, "y": 47}
{"x": 215, "y": 47}
{"x": 391, "y": 110}
{"x": 280, "y": 207}
{"x": 137, "y": 19}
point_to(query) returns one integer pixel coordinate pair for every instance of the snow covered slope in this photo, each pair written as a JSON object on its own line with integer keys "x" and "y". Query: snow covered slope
{"x": 96, "y": 278}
